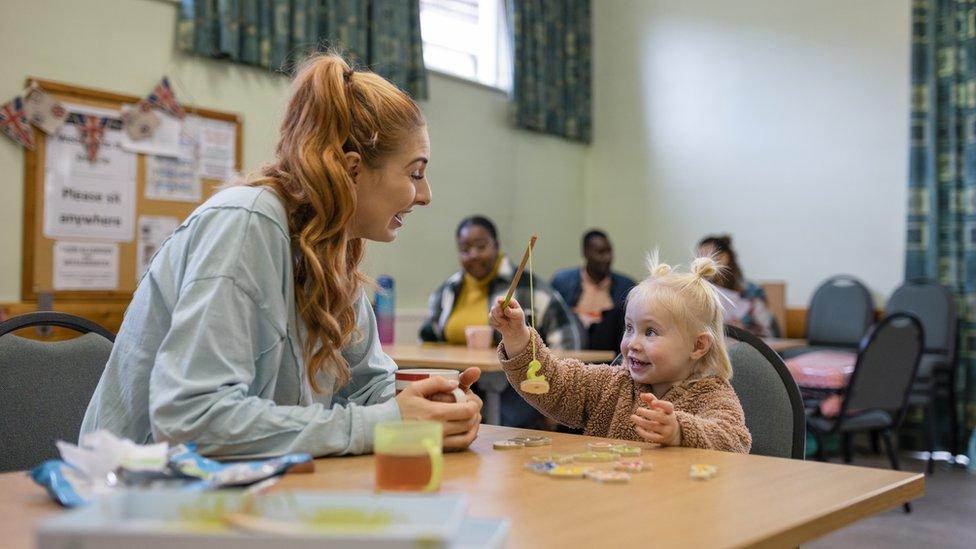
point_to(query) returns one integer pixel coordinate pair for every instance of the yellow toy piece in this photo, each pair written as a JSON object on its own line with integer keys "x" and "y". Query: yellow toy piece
{"x": 535, "y": 384}
{"x": 702, "y": 471}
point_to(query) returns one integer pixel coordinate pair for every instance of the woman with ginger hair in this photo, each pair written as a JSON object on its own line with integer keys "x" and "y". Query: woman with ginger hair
{"x": 250, "y": 333}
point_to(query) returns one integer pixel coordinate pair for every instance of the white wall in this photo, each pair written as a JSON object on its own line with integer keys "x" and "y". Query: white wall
{"x": 480, "y": 164}
{"x": 783, "y": 122}
{"x": 524, "y": 181}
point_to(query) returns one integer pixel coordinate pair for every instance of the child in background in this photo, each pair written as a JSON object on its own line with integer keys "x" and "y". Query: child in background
{"x": 673, "y": 387}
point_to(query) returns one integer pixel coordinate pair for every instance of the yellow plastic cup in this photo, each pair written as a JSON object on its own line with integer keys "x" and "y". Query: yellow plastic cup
{"x": 409, "y": 455}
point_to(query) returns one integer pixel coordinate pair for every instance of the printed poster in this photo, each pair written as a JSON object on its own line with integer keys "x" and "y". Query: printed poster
{"x": 217, "y": 142}
{"x": 175, "y": 178}
{"x": 89, "y": 199}
{"x": 153, "y": 231}
{"x": 85, "y": 266}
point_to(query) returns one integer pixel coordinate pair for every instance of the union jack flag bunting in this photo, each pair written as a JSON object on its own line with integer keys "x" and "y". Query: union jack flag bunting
{"x": 14, "y": 123}
{"x": 44, "y": 111}
{"x": 92, "y": 129}
{"x": 162, "y": 97}
{"x": 139, "y": 121}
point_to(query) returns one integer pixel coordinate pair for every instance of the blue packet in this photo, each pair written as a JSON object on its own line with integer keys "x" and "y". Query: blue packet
{"x": 51, "y": 475}
{"x": 184, "y": 467}
{"x": 214, "y": 474}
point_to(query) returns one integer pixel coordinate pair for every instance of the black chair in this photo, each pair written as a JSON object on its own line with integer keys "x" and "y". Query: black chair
{"x": 935, "y": 307}
{"x": 769, "y": 396}
{"x": 876, "y": 396}
{"x": 841, "y": 311}
{"x": 45, "y": 386}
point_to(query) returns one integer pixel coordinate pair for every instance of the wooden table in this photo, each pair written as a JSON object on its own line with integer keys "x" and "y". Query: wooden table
{"x": 780, "y": 344}
{"x": 458, "y": 358}
{"x": 454, "y": 357}
{"x": 754, "y": 500}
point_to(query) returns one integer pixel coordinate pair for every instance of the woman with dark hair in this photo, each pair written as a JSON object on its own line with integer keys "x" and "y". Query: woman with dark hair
{"x": 747, "y": 308}
{"x": 465, "y": 298}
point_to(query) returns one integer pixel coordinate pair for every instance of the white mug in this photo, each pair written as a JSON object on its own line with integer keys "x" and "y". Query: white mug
{"x": 407, "y": 376}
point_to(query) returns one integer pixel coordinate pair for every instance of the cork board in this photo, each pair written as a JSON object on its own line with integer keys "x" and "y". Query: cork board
{"x": 38, "y": 250}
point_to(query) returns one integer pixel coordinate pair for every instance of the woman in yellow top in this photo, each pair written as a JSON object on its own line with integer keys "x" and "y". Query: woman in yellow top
{"x": 465, "y": 298}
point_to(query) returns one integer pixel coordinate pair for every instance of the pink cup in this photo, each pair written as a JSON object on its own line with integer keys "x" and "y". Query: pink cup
{"x": 478, "y": 337}
{"x": 407, "y": 376}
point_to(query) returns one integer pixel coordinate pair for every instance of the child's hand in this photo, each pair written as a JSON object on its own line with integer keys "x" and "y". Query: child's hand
{"x": 658, "y": 422}
{"x": 511, "y": 324}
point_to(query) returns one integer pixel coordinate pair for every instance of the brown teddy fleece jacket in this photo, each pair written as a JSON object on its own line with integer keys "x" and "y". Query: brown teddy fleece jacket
{"x": 600, "y": 398}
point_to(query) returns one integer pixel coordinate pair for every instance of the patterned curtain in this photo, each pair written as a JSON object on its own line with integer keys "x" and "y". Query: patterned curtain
{"x": 941, "y": 241}
{"x": 383, "y": 35}
{"x": 551, "y": 81}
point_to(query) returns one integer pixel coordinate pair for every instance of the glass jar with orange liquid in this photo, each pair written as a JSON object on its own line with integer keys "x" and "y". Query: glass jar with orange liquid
{"x": 409, "y": 455}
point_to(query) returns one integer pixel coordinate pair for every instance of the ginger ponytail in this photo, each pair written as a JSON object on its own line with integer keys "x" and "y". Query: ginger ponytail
{"x": 332, "y": 110}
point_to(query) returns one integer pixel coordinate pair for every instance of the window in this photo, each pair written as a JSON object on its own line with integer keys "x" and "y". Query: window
{"x": 469, "y": 39}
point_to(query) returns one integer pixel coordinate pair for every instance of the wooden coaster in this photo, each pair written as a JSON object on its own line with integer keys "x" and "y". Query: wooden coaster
{"x": 535, "y": 386}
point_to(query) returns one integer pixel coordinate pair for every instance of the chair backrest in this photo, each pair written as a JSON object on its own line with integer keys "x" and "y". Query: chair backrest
{"x": 934, "y": 306}
{"x": 841, "y": 311}
{"x": 54, "y": 318}
{"x": 887, "y": 362}
{"x": 770, "y": 398}
{"x": 776, "y": 303}
{"x": 45, "y": 387}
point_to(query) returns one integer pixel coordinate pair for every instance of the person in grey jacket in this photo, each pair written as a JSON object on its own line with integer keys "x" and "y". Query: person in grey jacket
{"x": 250, "y": 333}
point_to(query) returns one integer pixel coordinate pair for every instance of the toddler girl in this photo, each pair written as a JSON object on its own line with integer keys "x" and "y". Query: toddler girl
{"x": 673, "y": 386}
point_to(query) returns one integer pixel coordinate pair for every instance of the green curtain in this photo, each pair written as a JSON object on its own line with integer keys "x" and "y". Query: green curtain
{"x": 382, "y": 35}
{"x": 551, "y": 81}
{"x": 941, "y": 240}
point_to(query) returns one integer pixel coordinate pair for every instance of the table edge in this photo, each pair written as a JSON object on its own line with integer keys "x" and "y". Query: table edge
{"x": 832, "y": 520}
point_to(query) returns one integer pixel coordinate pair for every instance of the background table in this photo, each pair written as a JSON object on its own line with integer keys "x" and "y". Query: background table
{"x": 780, "y": 344}
{"x": 458, "y": 358}
{"x": 754, "y": 500}
{"x": 493, "y": 380}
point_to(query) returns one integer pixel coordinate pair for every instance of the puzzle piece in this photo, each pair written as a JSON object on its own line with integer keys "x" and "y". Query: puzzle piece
{"x": 624, "y": 450}
{"x": 608, "y": 476}
{"x": 507, "y": 445}
{"x": 632, "y": 465}
{"x": 568, "y": 471}
{"x": 533, "y": 441}
{"x": 702, "y": 471}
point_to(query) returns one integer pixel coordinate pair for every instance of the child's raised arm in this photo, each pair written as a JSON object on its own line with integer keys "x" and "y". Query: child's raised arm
{"x": 575, "y": 389}
{"x": 510, "y": 322}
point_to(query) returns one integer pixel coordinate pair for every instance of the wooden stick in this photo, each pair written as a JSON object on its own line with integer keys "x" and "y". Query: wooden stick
{"x": 518, "y": 273}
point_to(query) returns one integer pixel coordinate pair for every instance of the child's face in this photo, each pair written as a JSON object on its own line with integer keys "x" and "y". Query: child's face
{"x": 654, "y": 352}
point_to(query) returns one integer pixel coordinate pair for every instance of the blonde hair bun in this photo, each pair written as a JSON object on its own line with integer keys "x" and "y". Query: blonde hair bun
{"x": 705, "y": 267}
{"x": 654, "y": 265}
{"x": 690, "y": 302}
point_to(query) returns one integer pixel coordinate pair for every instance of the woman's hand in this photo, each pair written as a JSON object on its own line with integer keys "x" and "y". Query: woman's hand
{"x": 510, "y": 322}
{"x": 460, "y": 421}
{"x": 658, "y": 422}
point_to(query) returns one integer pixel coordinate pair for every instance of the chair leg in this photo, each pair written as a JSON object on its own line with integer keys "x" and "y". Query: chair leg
{"x": 875, "y": 442}
{"x": 931, "y": 426}
{"x": 820, "y": 455}
{"x": 893, "y": 457}
{"x": 847, "y": 443}
{"x": 953, "y": 414}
